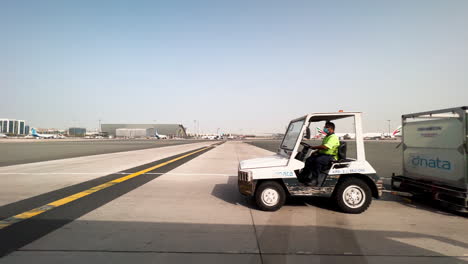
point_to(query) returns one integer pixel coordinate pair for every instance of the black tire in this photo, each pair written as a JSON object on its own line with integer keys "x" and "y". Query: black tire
{"x": 276, "y": 194}
{"x": 357, "y": 188}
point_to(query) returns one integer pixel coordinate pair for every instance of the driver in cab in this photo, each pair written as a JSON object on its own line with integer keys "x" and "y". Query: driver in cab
{"x": 311, "y": 174}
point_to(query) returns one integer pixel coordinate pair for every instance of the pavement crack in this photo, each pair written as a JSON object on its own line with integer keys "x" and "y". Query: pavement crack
{"x": 235, "y": 253}
{"x": 139, "y": 251}
{"x": 256, "y": 236}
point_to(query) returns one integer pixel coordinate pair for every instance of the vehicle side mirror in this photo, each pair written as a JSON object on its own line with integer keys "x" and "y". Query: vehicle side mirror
{"x": 307, "y": 134}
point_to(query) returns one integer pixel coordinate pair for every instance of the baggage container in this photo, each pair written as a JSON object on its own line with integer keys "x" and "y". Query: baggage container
{"x": 435, "y": 156}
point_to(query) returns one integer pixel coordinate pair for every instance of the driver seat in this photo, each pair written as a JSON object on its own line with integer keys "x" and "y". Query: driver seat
{"x": 342, "y": 151}
{"x": 342, "y": 148}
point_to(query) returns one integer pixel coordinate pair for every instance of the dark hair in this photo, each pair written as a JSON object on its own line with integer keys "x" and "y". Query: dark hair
{"x": 330, "y": 124}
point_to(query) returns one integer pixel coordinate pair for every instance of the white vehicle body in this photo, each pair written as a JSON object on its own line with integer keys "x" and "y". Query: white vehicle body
{"x": 3, "y": 136}
{"x": 283, "y": 167}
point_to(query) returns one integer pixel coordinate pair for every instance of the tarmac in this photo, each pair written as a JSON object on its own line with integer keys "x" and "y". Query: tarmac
{"x": 21, "y": 151}
{"x": 189, "y": 210}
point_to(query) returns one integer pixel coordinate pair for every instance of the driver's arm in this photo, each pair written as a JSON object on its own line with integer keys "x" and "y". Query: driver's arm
{"x": 320, "y": 147}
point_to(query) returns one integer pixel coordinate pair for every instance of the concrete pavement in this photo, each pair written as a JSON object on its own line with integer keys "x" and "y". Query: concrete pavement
{"x": 23, "y": 181}
{"x": 195, "y": 214}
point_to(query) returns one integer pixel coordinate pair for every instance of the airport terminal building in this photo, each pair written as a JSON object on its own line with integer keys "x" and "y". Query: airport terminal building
{"x": 13, "y": 126}
{"x": 77, "y": 132}
{"x": 170, "y": 130}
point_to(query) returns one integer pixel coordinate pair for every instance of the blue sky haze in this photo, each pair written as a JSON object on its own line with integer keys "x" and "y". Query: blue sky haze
{"x": 250, "y": 65}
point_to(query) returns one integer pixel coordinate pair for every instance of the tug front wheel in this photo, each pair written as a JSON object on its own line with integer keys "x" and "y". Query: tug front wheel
{"x": 270, "y": 196}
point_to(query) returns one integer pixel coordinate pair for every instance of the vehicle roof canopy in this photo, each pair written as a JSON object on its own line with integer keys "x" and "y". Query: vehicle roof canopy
{"x": 317, "y": 117}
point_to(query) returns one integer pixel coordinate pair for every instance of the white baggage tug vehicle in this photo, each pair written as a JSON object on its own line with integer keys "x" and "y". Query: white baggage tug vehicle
{"x": 350, "y": 182}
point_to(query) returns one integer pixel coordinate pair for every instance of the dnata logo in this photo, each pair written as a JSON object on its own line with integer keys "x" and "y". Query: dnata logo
{"x": 431, "y": 163}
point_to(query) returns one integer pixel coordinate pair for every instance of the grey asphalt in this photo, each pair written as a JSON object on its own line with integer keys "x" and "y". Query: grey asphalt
{"x": 384, "y": 156}
{"x": 13, "y": 153}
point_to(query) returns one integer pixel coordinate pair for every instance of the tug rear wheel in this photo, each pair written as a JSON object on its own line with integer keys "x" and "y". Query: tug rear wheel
{"x": 353, "y": 196}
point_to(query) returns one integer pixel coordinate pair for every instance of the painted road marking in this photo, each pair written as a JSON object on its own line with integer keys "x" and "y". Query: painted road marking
{"x": 114, "y": 173}
{"x": 39, "y": 210}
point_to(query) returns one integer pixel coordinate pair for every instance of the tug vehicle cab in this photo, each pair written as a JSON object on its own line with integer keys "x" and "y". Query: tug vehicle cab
{"x": 350, "y": 182}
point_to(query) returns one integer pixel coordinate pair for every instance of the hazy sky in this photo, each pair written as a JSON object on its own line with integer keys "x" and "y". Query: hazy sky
{"x": 250, "y": 65}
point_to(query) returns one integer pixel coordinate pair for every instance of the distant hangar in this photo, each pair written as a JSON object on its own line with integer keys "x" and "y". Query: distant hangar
{"x": 170, "y": 130}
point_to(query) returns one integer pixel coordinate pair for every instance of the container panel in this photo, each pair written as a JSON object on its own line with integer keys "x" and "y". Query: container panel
{"x": 441, "y": 165}
{"x": 443, "y": 133}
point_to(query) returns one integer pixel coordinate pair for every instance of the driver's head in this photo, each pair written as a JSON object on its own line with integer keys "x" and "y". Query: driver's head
{"x": 329, "y": 127}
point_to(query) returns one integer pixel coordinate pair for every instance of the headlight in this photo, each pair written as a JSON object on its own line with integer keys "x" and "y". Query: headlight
{"x": 245, "y": 176}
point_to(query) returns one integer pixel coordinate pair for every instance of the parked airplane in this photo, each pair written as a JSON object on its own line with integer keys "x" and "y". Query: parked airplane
{"x": 36, "y": 135}
{"x": 373, "y": 135}
{"x": 158, "y": 136}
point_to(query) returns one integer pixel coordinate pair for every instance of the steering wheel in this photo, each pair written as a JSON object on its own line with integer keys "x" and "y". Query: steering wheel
{"x": 301, "y": 155}
{"x": 305, "y": 145}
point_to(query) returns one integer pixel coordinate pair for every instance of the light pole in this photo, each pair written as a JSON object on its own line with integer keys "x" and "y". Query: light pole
{"x": 194, "y": 128}
{"x": 388, "y": 128}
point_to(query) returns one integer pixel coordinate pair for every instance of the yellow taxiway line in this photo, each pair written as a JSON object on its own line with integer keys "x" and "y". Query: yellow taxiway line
{"x": 39, "y": 210}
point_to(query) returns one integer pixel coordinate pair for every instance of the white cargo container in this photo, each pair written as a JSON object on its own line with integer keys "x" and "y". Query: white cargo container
{"x": 134, "y": 132}
{"x": 435, "y": 156}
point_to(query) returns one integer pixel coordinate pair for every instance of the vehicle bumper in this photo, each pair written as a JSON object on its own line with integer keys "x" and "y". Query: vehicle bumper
{"x": 245, "y": 183}
{"x": 246, "y": 188}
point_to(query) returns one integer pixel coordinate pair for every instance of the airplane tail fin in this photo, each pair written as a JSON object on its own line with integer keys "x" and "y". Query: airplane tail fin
{"x": 33, "y": 132}
{"x": 397, "y": 131}
{"x": 156, "y": 134}
{"x": 320, "y": 131}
